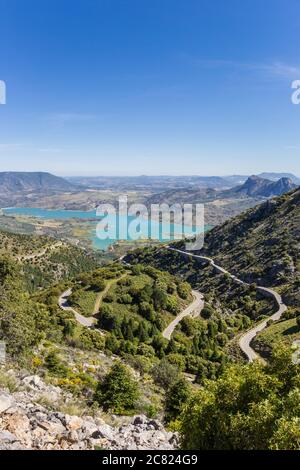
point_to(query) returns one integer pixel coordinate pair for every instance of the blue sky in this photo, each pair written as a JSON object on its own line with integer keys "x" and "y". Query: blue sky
{"x": 127, "y": 87}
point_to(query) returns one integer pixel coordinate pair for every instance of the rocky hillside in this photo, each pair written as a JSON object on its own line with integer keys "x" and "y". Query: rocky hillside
{"x": 45, "y": 260}
{"x": 261, "y": 187}
{"x": 30, "y": 419}
{"x": 14, "y": 186}
{"x": 276, "y": 176}
{"x": 262, "y": 245}
{"x": 36, "y": 181}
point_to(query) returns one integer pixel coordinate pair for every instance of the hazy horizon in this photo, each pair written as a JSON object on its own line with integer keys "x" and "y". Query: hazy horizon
{"x": 186, "y": 175}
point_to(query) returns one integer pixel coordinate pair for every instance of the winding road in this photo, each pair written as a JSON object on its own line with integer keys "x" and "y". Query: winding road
{"x": 247, "y": 337}
{"x": 86, "y": 321}
{"x": 194, "y": 309}
{"x": 64, "y": 305}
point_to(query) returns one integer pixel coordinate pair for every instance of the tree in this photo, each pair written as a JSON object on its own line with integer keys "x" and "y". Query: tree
{"x": 108, "y": 320}
{"x": 172, "y": 304}
{"x": 118, "y": 391}
{"x": 165, "y": 373}
{"x": 142, "y": 332}
{"x": 183, "y": 289}
{"x": 159, "y": 343}
{"x": 112, "y": 344}
{"x": 207, "y": 312}
{"x": 177, "y": 395}
{"x": 248, "y": 407}
{"x": 159, "y": 298}
{"x": 147, "y": 311}
{"x": 54, "y": 364}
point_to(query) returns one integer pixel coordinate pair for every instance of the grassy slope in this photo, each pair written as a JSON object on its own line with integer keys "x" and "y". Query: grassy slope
{"x": 281, "y": 332}
{"x": 53, "y": 261}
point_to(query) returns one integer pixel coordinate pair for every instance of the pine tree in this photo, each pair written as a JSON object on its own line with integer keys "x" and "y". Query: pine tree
{"x": 142, "y": 333}
{"x": 176, "y": 397}
{"x": 118, "y": 391}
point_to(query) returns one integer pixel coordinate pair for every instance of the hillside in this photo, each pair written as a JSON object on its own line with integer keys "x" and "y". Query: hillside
{"x": 45, "y": 260}
{"x": 81, "y": 380}
{"x": 261, "y": 187}
{"x": 276, "y": 176}
{"x": 16, "y": 185}
{"x": 54, "y": 370}
{"x": 223, "y": 204}
{"x": 262, "y": 245}
{"x": 35, "y": 181}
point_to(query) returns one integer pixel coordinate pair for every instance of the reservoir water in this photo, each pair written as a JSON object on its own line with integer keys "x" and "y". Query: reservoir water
{"x": 165, "y": 232}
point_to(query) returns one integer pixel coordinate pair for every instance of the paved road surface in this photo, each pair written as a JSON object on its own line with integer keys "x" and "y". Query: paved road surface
{"x": 246, "y": 338}
{"x": 63, "y": 303}
{"x": 193, "y": 309}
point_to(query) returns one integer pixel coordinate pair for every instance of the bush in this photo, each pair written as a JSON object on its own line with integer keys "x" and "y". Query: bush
{"x": 119, "y": 391}
{"x": 165, "y": 373}
{"x": 125, "y": 299}
{"x": 55, "y": 366}
{"x": 172, "y": 304}
{"x": 184, "y": 290}
{"x": 177, "y": 395}
{"x": 250, "y": 407}
{"x": 177, "y": 360}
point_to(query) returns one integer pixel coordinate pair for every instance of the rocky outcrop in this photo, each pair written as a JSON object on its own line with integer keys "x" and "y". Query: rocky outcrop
{"x": 256, "y": 186}
{"x": 27, "y": 424}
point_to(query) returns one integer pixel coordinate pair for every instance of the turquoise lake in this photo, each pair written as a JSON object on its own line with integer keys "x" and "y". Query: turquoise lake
{"x": 163, "y": 231}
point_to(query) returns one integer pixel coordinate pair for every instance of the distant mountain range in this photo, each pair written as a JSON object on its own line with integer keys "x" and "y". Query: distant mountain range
{"x": 164, "y": 182}
{"x": 16, "y": 182}
{"x": 224, "y": 197}
{"x": 277, "y": 176}
{"x": 256, "y": 186}
{"x": 19, "y": 188}
{"x": 36, "y": 181}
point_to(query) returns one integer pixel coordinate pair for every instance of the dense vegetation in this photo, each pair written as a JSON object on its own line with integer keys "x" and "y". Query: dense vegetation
{"x": 134, "y": 307}
{"x": 45, "y": 260}
{"x": 27, "y": 320}
{"x": 229, "y": 308}
{"x": 248, "y": 407}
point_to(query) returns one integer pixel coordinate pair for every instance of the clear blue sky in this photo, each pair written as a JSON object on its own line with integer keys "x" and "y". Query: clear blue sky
{"x": 149, "y": 86}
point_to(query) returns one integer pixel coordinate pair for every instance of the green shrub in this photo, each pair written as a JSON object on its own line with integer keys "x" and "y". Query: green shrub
{"x": 165, "y": 373}
{"x": 177, "y": 395}
{"x": 119, "y": 391}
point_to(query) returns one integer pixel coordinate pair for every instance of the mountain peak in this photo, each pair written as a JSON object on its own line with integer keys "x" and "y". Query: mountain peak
{"x": 261, "y": 187}
{"x": 12, "y": 182}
